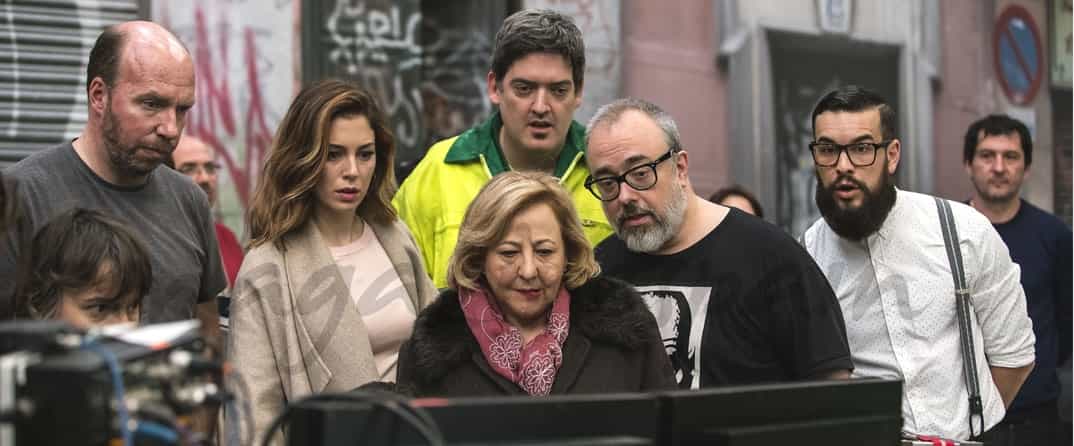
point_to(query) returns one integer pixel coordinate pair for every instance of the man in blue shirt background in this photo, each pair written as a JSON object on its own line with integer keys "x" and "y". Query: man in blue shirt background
{"x": 998, "y": 152}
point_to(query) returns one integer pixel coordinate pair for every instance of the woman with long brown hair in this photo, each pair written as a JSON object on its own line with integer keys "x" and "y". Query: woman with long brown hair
{"x": 333, "y": 281}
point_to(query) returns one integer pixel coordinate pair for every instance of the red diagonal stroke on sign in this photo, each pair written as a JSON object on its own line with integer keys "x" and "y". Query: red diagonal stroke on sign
{"x": 1018, "y": 54}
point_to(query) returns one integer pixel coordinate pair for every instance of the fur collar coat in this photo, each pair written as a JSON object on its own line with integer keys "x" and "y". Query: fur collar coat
{"x": 613, "y": 345}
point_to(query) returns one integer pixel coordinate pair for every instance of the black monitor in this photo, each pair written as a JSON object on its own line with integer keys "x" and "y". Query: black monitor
{"x": 613, "y": 419}
{"x": 859, "y": 412}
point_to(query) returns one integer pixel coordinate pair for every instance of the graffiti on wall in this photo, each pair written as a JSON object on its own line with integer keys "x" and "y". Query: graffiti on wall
{"x": 242, "y": 52}
{"x": 424, "y": 61}
{"x": 599, "y": 22}
{"x": 377, "y": 44}
{"x": 373, "y": 36}
{"x": 214, "y": 121}
{"x": 454, "y": 79}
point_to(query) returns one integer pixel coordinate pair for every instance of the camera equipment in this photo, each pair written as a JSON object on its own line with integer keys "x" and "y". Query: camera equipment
{"x": 59, "y": 385}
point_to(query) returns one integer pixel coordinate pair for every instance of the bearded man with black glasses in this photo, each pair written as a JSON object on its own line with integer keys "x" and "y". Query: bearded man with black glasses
{"x": 894, "y": 268}
{"x": 736, "y": 299}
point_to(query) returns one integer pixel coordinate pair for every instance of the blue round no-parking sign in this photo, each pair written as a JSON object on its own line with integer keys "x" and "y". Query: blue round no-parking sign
{"x": 1017, "y": 54}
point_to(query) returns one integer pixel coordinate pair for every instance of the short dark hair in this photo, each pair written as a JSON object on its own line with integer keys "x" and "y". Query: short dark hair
{"x": 996, "y": 125}
{"x": 68, "y": 253}
{"x": 539, "y": 31}
{"x": 104, "y": 57}
{"x": 852, "y": 98}
{"x": 736, "y": 190}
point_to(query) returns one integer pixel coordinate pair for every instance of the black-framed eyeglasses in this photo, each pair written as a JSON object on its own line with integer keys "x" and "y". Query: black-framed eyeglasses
{"x": 640, "y": 177}
{"x": 860, "y": 154}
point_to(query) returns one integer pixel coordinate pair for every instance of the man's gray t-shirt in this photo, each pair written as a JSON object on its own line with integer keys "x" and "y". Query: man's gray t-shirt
{"x": 169, "y": 214}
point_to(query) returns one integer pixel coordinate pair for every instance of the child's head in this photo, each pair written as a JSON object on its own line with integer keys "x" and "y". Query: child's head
{"x": 85, "y": 268}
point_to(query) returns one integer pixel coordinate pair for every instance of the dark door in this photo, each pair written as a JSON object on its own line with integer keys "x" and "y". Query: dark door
{"x": 804, "y": 68}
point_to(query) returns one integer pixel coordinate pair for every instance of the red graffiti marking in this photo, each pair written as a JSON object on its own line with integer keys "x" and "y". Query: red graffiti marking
{"x": 258, "y": 135}
{"x": 212, "y": 118}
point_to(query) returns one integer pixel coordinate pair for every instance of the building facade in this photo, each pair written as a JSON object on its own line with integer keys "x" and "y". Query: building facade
{"x": 740, "y": 77}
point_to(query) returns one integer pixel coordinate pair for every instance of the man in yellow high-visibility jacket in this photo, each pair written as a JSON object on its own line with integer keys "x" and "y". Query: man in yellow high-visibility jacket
{"x": 536, "y": 78}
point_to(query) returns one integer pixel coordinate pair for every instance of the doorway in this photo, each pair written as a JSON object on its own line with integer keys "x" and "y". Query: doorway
{"x": 804, "y": 68}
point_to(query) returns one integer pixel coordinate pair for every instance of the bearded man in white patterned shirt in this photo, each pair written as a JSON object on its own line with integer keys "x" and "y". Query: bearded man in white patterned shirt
{"x": 883, "y": 251}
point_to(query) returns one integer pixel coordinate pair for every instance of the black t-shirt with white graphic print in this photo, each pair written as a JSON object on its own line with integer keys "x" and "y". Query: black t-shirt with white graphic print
{"x": 749, "y": 295}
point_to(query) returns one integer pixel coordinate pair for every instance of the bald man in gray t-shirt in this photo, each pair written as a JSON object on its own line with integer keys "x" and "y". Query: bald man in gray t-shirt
{"x": 168, "y": 212}
{"x": 139, "y": 89}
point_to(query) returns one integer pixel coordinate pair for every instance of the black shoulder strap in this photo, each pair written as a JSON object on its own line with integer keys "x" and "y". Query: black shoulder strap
{"x": 962, "y": 305}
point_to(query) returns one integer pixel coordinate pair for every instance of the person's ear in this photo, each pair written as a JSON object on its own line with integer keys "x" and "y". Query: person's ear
{"x": 577, "y": 96}
{"x": 98, "y": 95}
{"x": 493, "y": 89}
{"x": 894, "y": 151}
{"x": 682, "y": 163}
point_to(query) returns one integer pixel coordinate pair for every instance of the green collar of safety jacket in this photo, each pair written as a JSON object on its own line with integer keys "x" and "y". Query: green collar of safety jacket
{"x": 482, "y": 142}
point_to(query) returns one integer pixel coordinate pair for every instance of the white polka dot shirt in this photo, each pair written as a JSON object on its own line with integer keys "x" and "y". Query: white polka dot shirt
{"x": 897, "y": 296}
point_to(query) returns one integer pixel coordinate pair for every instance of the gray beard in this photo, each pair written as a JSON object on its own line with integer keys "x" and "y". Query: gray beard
{"x": 664, "y": 228}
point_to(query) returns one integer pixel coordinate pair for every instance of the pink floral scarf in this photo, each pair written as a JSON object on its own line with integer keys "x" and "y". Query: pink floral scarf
{"x": 533, "y": 366}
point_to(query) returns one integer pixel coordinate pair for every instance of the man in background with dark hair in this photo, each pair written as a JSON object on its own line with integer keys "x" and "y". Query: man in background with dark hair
{"x": 140, "y": 85}
{"x": 538, "y": 65}
{"x": 883, "y": 251}
{"x": 738, "y": 197}
{"x": 998, "y": 151}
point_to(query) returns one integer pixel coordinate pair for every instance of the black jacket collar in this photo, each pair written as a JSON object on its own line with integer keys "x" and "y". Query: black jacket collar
{"x": 603, "y": 310}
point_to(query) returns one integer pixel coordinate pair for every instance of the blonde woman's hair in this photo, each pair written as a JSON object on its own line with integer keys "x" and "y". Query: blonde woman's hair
{"x": 285, "y": 196}
{"x": 489, "y": 216}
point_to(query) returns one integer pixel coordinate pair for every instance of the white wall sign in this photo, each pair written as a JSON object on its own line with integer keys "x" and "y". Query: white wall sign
{"x": 834, "y": 15}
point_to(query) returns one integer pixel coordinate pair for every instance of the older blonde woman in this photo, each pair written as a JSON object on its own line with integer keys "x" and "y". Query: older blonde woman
{"x": 526, "y": 312}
